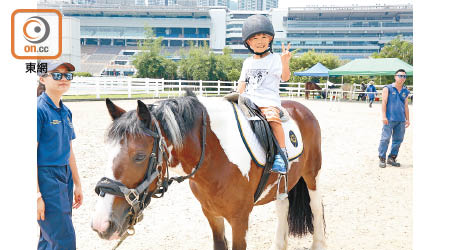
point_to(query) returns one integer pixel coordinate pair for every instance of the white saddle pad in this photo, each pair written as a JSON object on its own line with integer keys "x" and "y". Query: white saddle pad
{"x": 292, "y": 135}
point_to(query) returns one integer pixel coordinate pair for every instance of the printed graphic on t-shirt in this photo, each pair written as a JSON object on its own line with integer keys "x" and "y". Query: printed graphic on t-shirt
{"x": 254, "y": 78}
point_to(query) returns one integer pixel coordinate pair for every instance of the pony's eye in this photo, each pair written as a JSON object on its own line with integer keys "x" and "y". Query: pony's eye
{"x": 139, "y": 157}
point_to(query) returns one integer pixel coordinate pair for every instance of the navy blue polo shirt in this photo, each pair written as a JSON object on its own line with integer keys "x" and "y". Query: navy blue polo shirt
{"x": 54, "y": 132}
{"x": 395, "y": 107}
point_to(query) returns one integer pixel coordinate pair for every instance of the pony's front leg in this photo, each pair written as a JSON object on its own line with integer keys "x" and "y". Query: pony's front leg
{"x": 281, "y": 238}
{"x": 218, "y": 229}
{"x": 239, "y": 226}
{"x": 318, "y": 220}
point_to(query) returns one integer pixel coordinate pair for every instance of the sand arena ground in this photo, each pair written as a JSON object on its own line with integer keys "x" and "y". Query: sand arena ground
{"x": 366, "y": 207}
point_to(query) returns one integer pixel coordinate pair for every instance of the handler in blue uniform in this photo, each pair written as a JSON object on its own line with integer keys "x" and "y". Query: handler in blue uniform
{"x": 395, "y": 116}
{"x": 59, "y": 186}
{"x": 372, "y": 91}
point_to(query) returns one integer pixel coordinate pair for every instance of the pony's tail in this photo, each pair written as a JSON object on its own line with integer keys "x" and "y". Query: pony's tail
{"x": 300, "y": 217}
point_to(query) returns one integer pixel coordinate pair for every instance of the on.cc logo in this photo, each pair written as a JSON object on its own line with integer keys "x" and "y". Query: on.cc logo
{"x": 36, "y": 29}
{"x": 36, "y": 34}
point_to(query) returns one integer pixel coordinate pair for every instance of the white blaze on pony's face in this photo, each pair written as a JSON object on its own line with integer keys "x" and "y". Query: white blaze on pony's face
{"x": 132, "y": 136}
{"x": 103, "y": 209}
{"x": 129, "y": 155}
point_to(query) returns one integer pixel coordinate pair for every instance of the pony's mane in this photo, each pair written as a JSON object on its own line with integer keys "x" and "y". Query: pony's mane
{"x": 177, "y": 118}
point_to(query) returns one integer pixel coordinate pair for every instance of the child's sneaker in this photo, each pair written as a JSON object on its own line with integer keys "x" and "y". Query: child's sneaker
{"x": 278, "y": 165}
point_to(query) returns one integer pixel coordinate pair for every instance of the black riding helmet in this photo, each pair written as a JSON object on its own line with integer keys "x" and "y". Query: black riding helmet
{"x": 256, "y": 24}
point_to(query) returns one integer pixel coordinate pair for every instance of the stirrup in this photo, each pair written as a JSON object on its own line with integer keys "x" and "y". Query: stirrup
{"x": 284, "y": 195}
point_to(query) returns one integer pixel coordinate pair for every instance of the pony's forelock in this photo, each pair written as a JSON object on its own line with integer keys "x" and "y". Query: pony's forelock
{"x": 126, "y": 125}
{"x": 177, "y": 118}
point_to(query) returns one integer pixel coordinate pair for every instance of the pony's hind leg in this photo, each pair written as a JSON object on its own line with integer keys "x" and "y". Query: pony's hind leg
{"x": 218, "y": 229}
{"x": 318, "y": 220}
{"x": 281, "y": 238}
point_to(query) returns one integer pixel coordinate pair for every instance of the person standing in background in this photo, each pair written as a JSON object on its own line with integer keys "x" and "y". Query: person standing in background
{"x": 395, "y": 117}
{"x": 371, "y": 96}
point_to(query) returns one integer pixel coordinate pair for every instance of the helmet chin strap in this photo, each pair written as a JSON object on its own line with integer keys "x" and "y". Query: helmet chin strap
{"x": 260, "y": 53}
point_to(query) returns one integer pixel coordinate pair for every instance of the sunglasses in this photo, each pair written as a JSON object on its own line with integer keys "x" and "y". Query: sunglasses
{"x": 58, "y": 76}
{"x": 401, "y": 76}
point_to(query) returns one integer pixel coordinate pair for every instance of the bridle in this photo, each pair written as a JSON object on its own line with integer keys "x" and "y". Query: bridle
{"x": 139, "y": 198}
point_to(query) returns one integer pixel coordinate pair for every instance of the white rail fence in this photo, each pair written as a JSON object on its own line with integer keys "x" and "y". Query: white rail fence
{"x": 128, "y": 86}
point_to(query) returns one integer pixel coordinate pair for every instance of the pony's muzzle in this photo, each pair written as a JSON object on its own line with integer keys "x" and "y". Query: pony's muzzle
{"x": 107, "y": 230}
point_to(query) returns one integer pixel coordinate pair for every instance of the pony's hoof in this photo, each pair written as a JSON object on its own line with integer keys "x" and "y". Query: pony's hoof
{"x": 318, "y": 245}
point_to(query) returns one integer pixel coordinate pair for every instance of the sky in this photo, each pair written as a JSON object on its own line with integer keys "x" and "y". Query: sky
{"x": 301, "y": 3}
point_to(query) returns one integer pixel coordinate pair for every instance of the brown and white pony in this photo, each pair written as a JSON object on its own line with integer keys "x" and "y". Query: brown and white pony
{"x": 311, "y": 86}
{"x": 227, "y": 179}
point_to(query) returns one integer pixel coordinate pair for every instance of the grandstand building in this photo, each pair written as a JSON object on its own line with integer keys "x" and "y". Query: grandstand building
{"x": 349, "y": 32}
{"x": 109, "y": 34}
{"x": 257, "y": 4}
{"x": 225, "y": 3}
{"x": 111, "y": 30}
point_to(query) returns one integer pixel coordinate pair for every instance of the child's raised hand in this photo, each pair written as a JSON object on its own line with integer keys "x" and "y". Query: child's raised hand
{"x": 285, "y": 53}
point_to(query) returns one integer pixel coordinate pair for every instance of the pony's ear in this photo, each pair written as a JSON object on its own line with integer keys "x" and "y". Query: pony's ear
{"x": 143, "y": 113}
{"x": 114, "y": 111}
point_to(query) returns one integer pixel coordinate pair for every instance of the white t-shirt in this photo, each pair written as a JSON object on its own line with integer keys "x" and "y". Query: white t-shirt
{"x": 262, "y": 78}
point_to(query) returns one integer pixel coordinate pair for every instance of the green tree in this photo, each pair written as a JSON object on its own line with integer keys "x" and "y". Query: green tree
{"x": 233, "y": 75}
{"x": 170, "y": 69}
{"x": 230, "y": 66}
{"x": 397, "y": 48}
{"x": 193, "y": 65}
{"x": 202, "y": 64}
{"x": 150, "y": 63}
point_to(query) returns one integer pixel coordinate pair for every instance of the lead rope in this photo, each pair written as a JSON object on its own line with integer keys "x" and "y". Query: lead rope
{"x": 130, "y": 231}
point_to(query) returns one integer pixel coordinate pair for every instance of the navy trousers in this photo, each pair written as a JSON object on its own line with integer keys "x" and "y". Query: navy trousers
{"x": 56, "y": 186}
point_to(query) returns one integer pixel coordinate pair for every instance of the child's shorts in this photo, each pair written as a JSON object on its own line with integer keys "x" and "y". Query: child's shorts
{"x": 272, "y": 114}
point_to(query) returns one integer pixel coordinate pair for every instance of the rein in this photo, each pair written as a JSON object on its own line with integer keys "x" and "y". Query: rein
{"x": 139, "y": 198}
